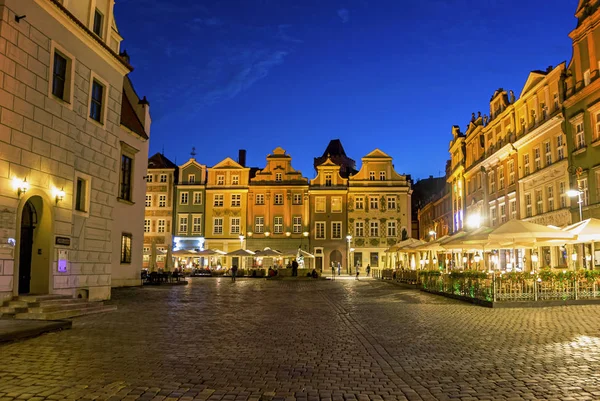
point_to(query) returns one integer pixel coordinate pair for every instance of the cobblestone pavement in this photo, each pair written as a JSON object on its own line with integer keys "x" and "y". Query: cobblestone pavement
{"x": 308, "y": 340}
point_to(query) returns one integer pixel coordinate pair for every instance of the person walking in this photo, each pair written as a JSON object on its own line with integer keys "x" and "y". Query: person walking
{"x": 294, "y": 268}
{"x": 332, "y": 270}
{"x": 339, "y": 267}
{"x": 368, "y": 270}
{"x": 357, "y": 271}
{"x": 234, "y": 270}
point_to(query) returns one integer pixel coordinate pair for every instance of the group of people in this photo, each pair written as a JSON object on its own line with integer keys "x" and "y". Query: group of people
{"x": 338, "y": 266}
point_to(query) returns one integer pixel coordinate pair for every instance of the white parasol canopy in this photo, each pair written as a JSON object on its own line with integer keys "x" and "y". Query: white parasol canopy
{"x": 268, "y": 253}
{"x": 518, "y": 233}
{"x": 152, "y": 261}
{"x": 241, "y": 252}
{"x": 169, "y": 259}
{"x": 586, "y": 230}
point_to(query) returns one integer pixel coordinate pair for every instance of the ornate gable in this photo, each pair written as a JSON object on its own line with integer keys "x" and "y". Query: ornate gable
{"x": 227, "y": 163}
{"x": 532, "y": 80}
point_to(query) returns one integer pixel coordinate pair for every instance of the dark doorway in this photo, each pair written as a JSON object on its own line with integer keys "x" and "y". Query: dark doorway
{"x": 319, "y": 263}
{"x": 28, "y": 222}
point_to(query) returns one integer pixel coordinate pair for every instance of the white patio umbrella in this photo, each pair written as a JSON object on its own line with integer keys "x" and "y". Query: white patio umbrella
{"x": 523, "y": 234}
{"x": 586, "y": 230}
{"x": 152, "y": 260}
{"x": 169, "y": 259}
{"x": 268, "y": 253}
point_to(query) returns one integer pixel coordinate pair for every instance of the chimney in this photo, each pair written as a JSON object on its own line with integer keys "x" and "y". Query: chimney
{"x": 242, "y": 157}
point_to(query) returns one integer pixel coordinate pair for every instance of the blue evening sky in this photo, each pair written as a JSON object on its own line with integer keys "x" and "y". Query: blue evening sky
{"x": 222, "y": 75}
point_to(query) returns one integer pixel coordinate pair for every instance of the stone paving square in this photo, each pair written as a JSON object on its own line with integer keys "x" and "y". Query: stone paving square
{"x": 304, "y": 340}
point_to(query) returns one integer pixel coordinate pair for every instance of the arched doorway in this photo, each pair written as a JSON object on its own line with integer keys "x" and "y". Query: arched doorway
{"x": 28, "y": 223}
{"x": 35, "y": 247}
{"x": 335, "y": 257}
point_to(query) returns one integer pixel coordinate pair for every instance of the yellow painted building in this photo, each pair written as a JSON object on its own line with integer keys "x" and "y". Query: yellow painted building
{"x": 456, "y": 179}
{"x": 225, "y": 211}
{"x": 378, "y": 210}
{"x": 278, "y": 207}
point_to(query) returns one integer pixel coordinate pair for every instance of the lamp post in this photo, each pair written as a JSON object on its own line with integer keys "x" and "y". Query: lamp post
{"x": 433, "y": 234}
{"x": 571, "y": 193}
{"x": 348, "y": 239}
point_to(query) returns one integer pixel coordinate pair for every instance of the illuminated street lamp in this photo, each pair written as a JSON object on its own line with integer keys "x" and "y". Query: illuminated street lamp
{"x": 474, "y": 220}
{"x": 571, "y": 193}
{"x": 348, "y": 238}
{"x": 433, "y": 234}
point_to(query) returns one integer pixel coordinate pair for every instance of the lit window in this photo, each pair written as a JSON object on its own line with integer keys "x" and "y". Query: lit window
{"x": 539, "y": 202}
{"x": 391, "y": 228}
{"x": 320, "y": 230}
{"x": 235, "y": 180}
{"x": 336, "y": 230}
{"x": 197, "y": 198}
{"x": 126, "y": 248}
{"x": 235, "y": 225}
{"x": 183, "y": 224}
{"x": 278, "y": 225}
{"x": 579, "y": 136}
{"x": 218, "y": 200}
{"x": 259, "y": 224}
{"x": 374, "y": 231}
{"x": 359, "y": 203}
{"x": 562, "y": 190}
{"x": 220, "y": 180}
{"x": 373, "y": 202}
{"x": 537, "y": 160}
{"x": 183, "y": 198}
{"x": 162, "y": 201}
{"x": 147, "y": 226}
{"x": 359, "y": 228}
{"x": 148, "y": 200}
{"x": 297, "y": 224}
{"x": 513, "y": 209}
{"x": 391, "y": 203}
{"x": 336, "y": 204}
{"x": 320, "y": 204}
{"x": 197, "y": 224}
{"x": 528, "y": 207}
{"x": 161, "y": 226}
{"x": 501, "y": 177}
{"x": 550, "y": 197}
{"x": 217, "y": 225}
{"x": 548, "y": 150}
{"x": 526, "y": 169}
{"x": 236, "y": 200}
{"x": 511, "y": 172}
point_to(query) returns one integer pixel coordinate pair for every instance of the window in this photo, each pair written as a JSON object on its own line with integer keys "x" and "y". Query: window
{"x": 148, "y": 200}
{"x": 235, "y": 180}
{"x": 501, "y": 177}
{"x": 279, "y": 199}
{"x": 260, "y": 199}
{"x": 98, "y": 20}
{"x": 336, "y": 230}
{"x": 163, "y": 178}
{"x": 374, "y": 225}
{"x": 183, "y": 198}
{"x": 59, "y": 76}
{"x": 562, "y": 190}
{"x": 147, "y": 226}
{"x": 359, "y": 203}
{"x": 528, "y": 207}
{"x": 336, "y": 204}
{"x": 278, "y": 177}
{"x": 526, "y": 170}
{"x": 197, "y": 224}
{"x": 149, "y": 178}
{"x": 597, "y": 184}
{"x": 373, "y": 202}
{"x": 125, "y": 192}
{"x": 278, "y": 225}
{"x": 183, "y": 224}
{"x": 162, "y": 200}
{"x": 511, "y": 172}
{"x": 550, "y": 197}
{"x": 371, "y": 175}
{"x": 494, "y": 214}
{"x": 197, "y": 198}
{"x": 328, "y": 179}
{"x": 97, "y": 101}
{"x": 502, "y": 213}
{"x": 191, "y": 178}
{"x": 555, "y": 101}
{"x": 320, "y": 206}
{"x": 391, "y": 228}
{"x": 597, "y": 127}
{"x": 297, "y": 224}
{"x": 579, "y": 136}
{"x": 82, "y": 194}
{"x": 539, "y": 202}
{"x": 161, "y": 226}
{"x": 583, "y": 186}
{"x": 259, "y": 224}
{"x": 217, "y": 225}
{"x": 235, "y": 225}
{"x": 126, "y": 248}
{"x": 320, "y": 230}
{"x": 537, "y": 161}
{"x": 359, "y": 229}
{"x": 391, "y": 203}
{"x": 374, "y": 258}
{"x": 586, "y": 77}
{"x": 220, "y": 180}
{"x": 492, "y": 181}
{"x": 513, "y": 209}
{"x": 382, "y": 176}
{"x": 560, "y": 148}
{"x": 236, "y": 200}
{"x": 218, "y": 200}
{"x": 297, "y": 199}
{"x": 548, "y": 150}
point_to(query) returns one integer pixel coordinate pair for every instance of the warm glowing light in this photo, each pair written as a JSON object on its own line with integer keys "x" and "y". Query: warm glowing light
{"x": 464, "y": 259}
{"x": 21, "y": 186}
{"x": 58, "y": 194}
{"x": 305, "y": 233}
{"x": 572, "y": 193}
{"x": 348, "y": 237}
{"x": 534, "y": 257}
{"x": 474, "y": 220}
{"x": 249, "y": 233}
{"x": 267, "y": 233}
{"x": 477, "y": 258}
{"x": 287, "y": 233}
{"x": 574, "y": 256}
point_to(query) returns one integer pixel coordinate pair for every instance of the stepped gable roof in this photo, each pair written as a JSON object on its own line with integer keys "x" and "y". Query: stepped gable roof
{"x": 160, "y": 161}
{"x": 130, "y": 119}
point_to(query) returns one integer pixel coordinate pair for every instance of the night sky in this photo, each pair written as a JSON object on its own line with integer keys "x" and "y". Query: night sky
{"x": 389, "y": 74}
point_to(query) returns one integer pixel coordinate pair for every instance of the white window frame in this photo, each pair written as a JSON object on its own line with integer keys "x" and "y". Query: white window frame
{"x": 502, "y": 213}
{"x": 148, "y": 202}
{"x": 184, "y": 198}
{"x": 374, "y": 228}
{"x": 587, "y": 77}
{"x": 235, "y": 225}
{"x": 511, "y": 172}
{"x": 526, "y": 164}
{"x": 235, "y": 180}
{"x": 260, "y": 199}
{"x": 297, "y": 224}
{"x": 359, "y": 228}
{"x": 320, "y": 230}
{"x": 278, "y": 199}
{"x": 373, "y": 202}
{"x": 69, "y": 76}
{"x": 382, "y": 176}
{"x": 494, "y": 215}
{"x": 391, "y": 202}
{"x": 550, "y": 197}
{"x": 371, "y": 176}
{"x": 218, "y": 200}
{"x": 560, "y": 148}
{"x": 392, "y": 229}
{"x": 579, "y": 135}
{"x": 162, "y": 200}
{"x": 501, "y": 177}
{"x": 161, "y": 226}
{"x": 537, "y": 158}
{"x": 539, "y": 201}
{"x": 297, "y": 199}
{"x": 236, "y": 200}
{"x": 218, "y": 225}
{"x": 359, "y": 203}
{"x": 220, "y": 179}
{"x": 182, "y": 225}
{"x": 196, "y": 224}
{"x": 147, "y": 225}
{"x": 278, "y": 225}
{"x": 548, "y": 152}
{"x": 278, "y": 177}
{"x": 583, "y": 187}
{"x": 562, "y": 191}
{"x": 512, "y": 205}
{"x": 528, "y": 205}
{"x": 197, "y": 198}
{"x": 336, "y": 230}
{"x": 191, "y": 178}
{"x": 259, "y": 224}
{"x": 163, "y": 178}
{"x": 87, "y": 195}
{"x": 320, "y": 201}
{"x": 149, "y": 178}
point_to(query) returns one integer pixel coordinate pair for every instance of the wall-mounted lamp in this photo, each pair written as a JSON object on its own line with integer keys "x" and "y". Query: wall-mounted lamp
{"x": 305, "y": 233}
{"x": 267, "y": 233}
{"x": 18, "y": 18}
{"x": 59, "y": 194}
{"x": 249, "y": 233}
{"x": 287, "y": 233}
{"x": 21, "y": 186}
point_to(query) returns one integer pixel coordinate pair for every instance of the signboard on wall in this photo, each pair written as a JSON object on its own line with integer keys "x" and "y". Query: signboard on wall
{"x": 65, "y": 241}
{"x": 63, "y": 260}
